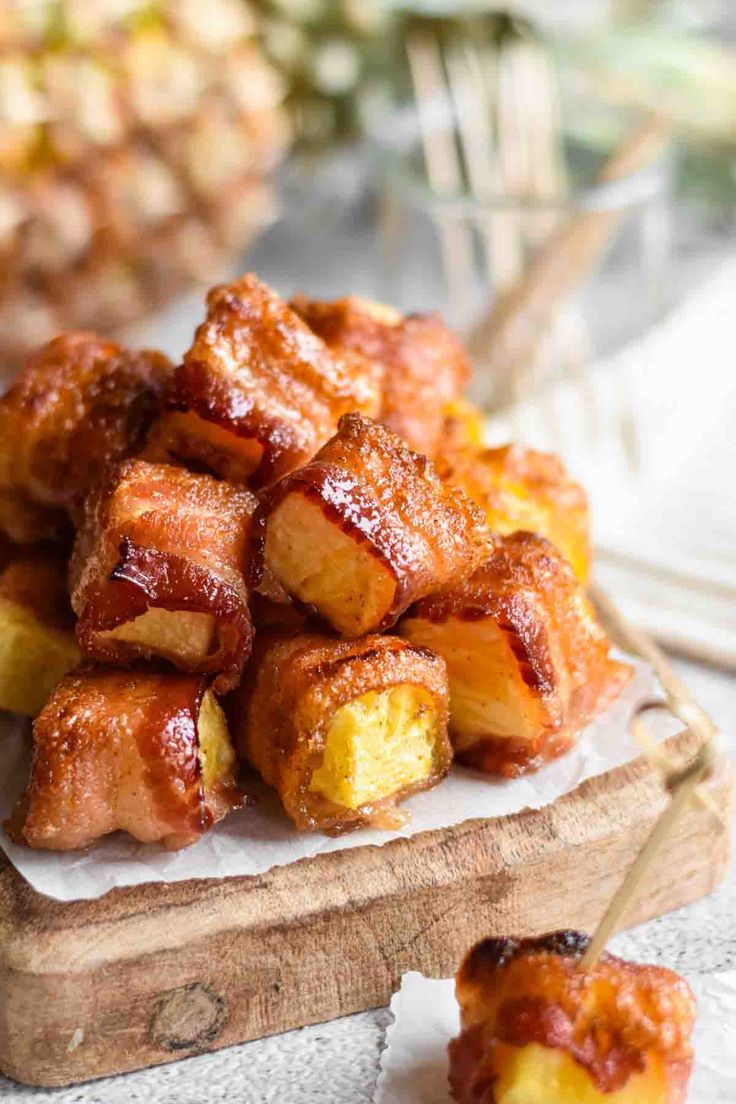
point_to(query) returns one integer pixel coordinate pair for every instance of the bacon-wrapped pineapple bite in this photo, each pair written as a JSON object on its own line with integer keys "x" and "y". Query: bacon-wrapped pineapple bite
{"x": 258, "y": 392}
{"x": 343, "y": 729}
{"x": 422, "y": 366}
{"x": 158, "y": 571}
{"x": 367, "y": 528}
{"x": 80, "y": 404}
{"x": 538, "y": 1028}
{"x": 528, "y": 662}
{"x": 463, "y": 427}
{"x": 37, "y": 642}
{"x": 137, "y": 751}
{"x": 522, "y": 489}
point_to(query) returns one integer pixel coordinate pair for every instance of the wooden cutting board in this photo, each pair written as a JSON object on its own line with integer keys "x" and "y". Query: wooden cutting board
{"x": 150, "y": 974}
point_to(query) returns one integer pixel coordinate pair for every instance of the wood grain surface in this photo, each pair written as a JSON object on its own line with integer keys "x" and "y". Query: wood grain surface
{"x": 152, "y": 973}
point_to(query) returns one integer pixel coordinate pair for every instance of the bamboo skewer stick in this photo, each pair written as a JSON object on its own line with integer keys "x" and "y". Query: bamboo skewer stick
{"x": 682, "y": 788}
{"x": 683, "y": 783}
{"x": 442, "y": 163}
{"x": 508, "y": 336}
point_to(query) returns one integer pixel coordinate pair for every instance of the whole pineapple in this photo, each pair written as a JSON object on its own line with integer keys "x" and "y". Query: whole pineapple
{"x": 135, "y": 142}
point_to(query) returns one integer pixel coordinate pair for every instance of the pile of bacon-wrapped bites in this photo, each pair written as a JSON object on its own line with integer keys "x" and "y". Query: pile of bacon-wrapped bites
{"x": 539, "y": 1026}
{"x": 289, "y": 550}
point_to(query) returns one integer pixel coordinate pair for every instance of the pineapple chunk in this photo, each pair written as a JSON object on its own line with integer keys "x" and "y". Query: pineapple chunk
{"x": 463, "y": 425}
{"x": 34, "y": 657}
{"x": 528, "y": 664}
{"x": 366, "y": 528}
{"x": 542, "y": 1027}
{"x": 323, "y": 566}
{"x": 377, "y": 745}
{"x": 205, "y": 445}
{"x": 176, "y": 634}
{"x": 488, "y": 693}
{"x": 535, "y": 1074}
{"x": 342, "y": 729}
{"x": 216, "y": 752}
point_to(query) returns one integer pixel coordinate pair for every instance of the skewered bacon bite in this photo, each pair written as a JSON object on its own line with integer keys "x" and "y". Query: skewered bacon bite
{"x": 37, "y": 642}
{"x": 80, "y": 404}
{"x": 522, "y": 489}
{"x": 537, "y": 1028}
{"x": 343, "y": 729}
{"x": 258, "y": 392}
{"x": 144, "y": 753}
{"x": 366, "y": 528}
{"x": 422, "y": 365}
{"x": 528, "y": 662}
{"x": 158, "y": 570}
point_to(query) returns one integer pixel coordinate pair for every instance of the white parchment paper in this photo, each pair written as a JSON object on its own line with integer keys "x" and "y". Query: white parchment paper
{"x": 260, "y": 836}
{"x": 414, "y": 1063}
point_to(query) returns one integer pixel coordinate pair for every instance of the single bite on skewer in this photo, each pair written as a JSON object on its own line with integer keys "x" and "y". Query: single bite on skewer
{"x": 366, "y": 528}
{"x": 343, "y": 730}
{"x": 539, "y": 1028}
{"x": 519, "y": 488}
{"x": 136, "y": 751}
{"x": 422, "y": 366}
{"x": 158, "y": 571}
{"x": 37, "y": 641}
{"x": 79, "y": 405}
{"x": 258, "y": 392}
{"x": 528, "y": 662}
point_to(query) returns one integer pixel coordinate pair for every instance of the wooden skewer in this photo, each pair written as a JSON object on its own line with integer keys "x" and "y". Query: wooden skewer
{"x": 509, "y": 334}
{"x": 677, "y": 696}
{"x": 682, "y": 787}
{"x": 442, "y": 162}
{"x": 683, "y": 784}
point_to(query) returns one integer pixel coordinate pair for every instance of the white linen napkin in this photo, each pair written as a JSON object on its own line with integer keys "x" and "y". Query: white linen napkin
{"x": 665, "y": 529}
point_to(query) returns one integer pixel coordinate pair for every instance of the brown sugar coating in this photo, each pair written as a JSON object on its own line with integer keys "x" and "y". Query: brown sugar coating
{"x": 258, "y": 392}
{"x": 119, "y": 750}
{"x": 528, "y": 662}
{"x": 293, "y": 689}
{"x": 366, "y": 528}
{"x": 422, "y": 366}
{"x": 616, "y": 1019}
{"x": 519, "y": 488}
{"x": 80, "y": 405}
{"x": 158, "y": 538}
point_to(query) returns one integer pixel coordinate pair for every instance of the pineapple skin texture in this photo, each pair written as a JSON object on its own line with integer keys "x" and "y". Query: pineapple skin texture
{"x": 299, "y": 691}
{"x": 528, "y": 663}
{"x": 519, "y": 488}
{"x": 537, "y": 1029}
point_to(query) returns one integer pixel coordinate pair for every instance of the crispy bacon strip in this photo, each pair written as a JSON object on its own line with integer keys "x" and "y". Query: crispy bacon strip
{"x": 422, "y": 365}
{"x": 366, "y": 528}
{"x": 536, "y": 1027}
{"x": 258, "y": 392}
{"x": 136, "y": 751}
{"x": 522, "y": 489}
{"x": 158, "y": 570}
{"x": 37, "y": 642}
{"x": 80, "y": 405}
{"x": 528, "y": 663}
{"x": 343, "y": 729}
